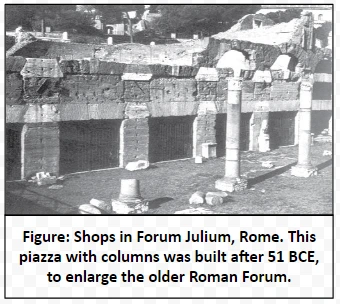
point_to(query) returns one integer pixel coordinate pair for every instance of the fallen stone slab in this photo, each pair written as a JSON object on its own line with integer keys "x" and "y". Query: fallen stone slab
{"x": 106, "y": 207}
{"x": 55, "y": 187}
{"x": 137, "y": 165}
{"x": 88, "y": 209}
{"x": 216, "y": 198}
{"x": 199, "y": 210}
{"x": 197, "y": 198}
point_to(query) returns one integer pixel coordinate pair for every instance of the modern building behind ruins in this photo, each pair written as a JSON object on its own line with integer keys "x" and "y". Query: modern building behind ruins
{"x": 65, "y": 116}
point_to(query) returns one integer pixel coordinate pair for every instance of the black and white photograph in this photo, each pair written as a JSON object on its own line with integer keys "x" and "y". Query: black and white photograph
{"x": 167, "y": 109}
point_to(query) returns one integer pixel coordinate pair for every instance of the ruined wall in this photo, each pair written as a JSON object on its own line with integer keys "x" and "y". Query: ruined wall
{"x": 41, "y": 148}
{"x": 44, "y": 92}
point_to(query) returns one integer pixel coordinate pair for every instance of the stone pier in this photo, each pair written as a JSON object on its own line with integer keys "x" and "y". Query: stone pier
{"x": 232, "y": 180}
{"x": 304, "y": 168}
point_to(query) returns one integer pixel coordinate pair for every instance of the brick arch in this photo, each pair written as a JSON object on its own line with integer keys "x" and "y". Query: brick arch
{"x": 235, "y": 60}
{"x": 307, "y": 59}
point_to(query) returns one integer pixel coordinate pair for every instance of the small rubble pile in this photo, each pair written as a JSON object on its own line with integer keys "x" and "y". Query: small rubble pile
{"x": 323, "y": 137}
{"x": 129, "y": 201}
{"x": 43, "y": 178}
{"x": 210, "y": 198}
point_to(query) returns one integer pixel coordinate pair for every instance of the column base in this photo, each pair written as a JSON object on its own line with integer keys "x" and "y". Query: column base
{"x": 231, "y": 184}
{"x": 139, "y": 206}
{"x": 304, "y": 171}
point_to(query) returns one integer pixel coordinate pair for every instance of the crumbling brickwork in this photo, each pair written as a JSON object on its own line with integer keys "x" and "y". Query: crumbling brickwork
{"x": 284, "y": 91}
{"x": 207, "y": 90}
{"x": 172, "y": 89}
{"x": 136, "y": 91}
{"x": 92, "y": 88}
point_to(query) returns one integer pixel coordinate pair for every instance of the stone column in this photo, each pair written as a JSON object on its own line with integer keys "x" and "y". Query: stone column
{"x": 330, "y": 126}
{"x": 304, "y": 167}
{"x": 232, "y": 181}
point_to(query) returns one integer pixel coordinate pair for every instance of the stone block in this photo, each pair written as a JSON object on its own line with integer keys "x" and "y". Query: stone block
{"x": 36, "y": 67}
{"x": 138, "y": 165}
{"x": 88, "y": 209}
{"x": 207, "y": 74}
{"x": 136, "y": 110}
{"x": 216, "y": 198}
{"x": 111, "y": 68}
{"x": 197, "y": 198}
{"x": 101, "y": 205}
{"x": 172, "y": 89}
{"x": 198, "y": 160}
{"x": 136, "y": 91}
{"x": 262, "y": 76}
{"x": 209, "y": 150}
{"x": 207, "y": 90}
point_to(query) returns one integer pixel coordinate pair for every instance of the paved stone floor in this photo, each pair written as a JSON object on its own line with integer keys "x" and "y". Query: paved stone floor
{"x": 169, "y": 185}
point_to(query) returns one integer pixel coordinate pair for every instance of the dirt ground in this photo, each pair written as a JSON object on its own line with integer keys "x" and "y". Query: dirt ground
{"x": 169, "y": 185}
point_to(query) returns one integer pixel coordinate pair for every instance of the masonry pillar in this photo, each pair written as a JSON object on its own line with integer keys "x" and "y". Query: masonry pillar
{"x": 259, "y": 137}
{"x": 204, "y": 124}
{"x": 304, "y": 167}
{"x": 232, "y": 180}
{"x": 40, "y": 149}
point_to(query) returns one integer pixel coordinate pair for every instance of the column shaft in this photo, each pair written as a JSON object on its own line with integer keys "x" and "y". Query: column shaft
{"x": 304, "y": 167}
{"x": 232, "y": 180}
{"x": 232, "y": 164}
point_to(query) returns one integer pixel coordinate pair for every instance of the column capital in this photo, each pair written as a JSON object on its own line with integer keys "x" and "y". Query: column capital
{"x": 306, "y": 86}
{"x": 234, "y": 84}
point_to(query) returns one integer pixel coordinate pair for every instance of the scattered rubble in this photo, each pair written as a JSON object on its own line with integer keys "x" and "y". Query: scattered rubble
{"x": 130, "y": 208}
{"x": 43, "y": 178}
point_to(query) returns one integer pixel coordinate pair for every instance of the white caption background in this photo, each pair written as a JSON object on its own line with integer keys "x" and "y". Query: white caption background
{"x": 307, "y": 279}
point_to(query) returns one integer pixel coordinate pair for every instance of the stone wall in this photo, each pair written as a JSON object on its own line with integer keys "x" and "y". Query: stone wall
{"x": 77, "y": 90}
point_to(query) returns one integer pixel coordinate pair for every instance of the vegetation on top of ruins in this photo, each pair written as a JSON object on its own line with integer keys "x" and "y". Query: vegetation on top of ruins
{"x": 284, "y": 16}
{"x": 58, "y": 17}
{"x": 187, "y": 20}
{"x": 322, "y": 33}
